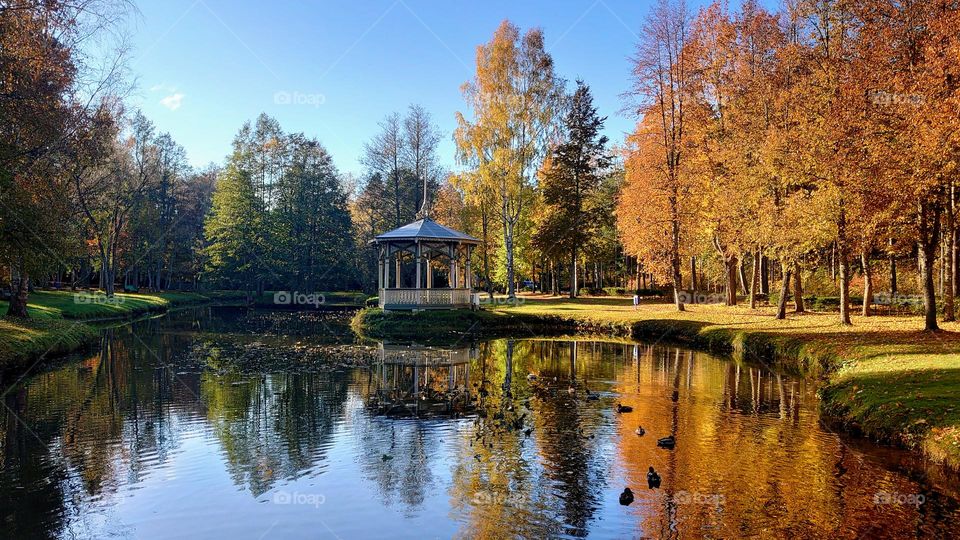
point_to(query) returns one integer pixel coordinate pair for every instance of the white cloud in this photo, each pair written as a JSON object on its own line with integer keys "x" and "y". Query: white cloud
{"x": 173, "y": 101}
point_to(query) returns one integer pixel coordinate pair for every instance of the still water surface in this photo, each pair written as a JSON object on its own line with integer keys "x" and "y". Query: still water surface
{"x": 222, "y": 423}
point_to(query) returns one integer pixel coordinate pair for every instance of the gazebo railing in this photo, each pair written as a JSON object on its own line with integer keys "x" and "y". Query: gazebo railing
{"x": 413, "y": 297}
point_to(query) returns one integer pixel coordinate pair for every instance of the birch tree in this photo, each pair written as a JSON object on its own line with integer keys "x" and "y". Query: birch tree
{"x": 514, "y": 98}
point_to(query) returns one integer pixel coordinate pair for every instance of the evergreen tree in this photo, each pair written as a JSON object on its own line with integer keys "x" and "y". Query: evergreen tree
{"x": 571, "y": 179}
{"x": 234, "y": 231}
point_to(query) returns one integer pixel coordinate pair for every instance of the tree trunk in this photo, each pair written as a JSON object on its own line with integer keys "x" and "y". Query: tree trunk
{"x": 844, "y": 274}
{"x": 844, "y": 264}
{"x": 833, "y": 262}
{"x": 574, "y": 286}
{"x": 928, "y": 229}
{"x": 925, "y": 259}
{"x": 784, "y": 293}
{"x": 508, "y": 245}
{"x": 677, "y": 284}
{"x": 950, "y": 239}
{"x": 693, "y": 275}
{"x": 638, "y": 276}
{"x": 764, "y": 275}
{"x": 798, "y": 288}
{"x": 867, "y": 282}
{"x": 755, "y": 279}
{"x": 742, "y": 272}
{"x": 731, "y": 264}
{"x": 19, "y": 291}
{"x": 893, "y": 277}
{"x": 675, "y": 248}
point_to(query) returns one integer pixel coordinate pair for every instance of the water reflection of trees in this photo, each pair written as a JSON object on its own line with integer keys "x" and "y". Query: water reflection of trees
{"x": 749, "y": 458}
{"x": 107, "y": 420}
{"x": 89, "y": 426}
{"x": 273, "y": 427}
{"x": 538, "y": 459}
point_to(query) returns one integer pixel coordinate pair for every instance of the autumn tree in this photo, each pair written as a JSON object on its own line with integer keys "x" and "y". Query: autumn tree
{"x": 514, "y": 98}
{"x": 113, "y": 170}
{"x": 49, "y": 80}
{"x": 662, "y": 84}
{"x": 908, "y": 50}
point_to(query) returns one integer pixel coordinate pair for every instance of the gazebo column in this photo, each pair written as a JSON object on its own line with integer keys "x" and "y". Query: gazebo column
{"x": 419, "y": 268}
{"x": 429, "y": 275}
{"x": 469, "y": 277}
{"x": 385, "y": 266}
{"x": 397, "y": 257}
{"x": 380, "y": 270}
{"x": 453, "y": 267}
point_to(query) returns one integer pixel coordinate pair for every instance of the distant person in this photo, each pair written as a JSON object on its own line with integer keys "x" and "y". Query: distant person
{"x": 636, "y": 301}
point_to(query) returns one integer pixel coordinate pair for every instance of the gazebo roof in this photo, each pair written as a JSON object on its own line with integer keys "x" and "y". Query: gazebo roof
{"x": 426, "y": 229}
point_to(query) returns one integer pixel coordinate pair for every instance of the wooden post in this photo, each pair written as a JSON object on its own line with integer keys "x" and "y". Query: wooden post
{"x": 419, "y": 270}
{"x": 453, "y": 267}
{"x": 397, "y": 258}
{"x": 469, "y": 273}
{"x": 386, "y": 268}
{"x": 379, "y": 271}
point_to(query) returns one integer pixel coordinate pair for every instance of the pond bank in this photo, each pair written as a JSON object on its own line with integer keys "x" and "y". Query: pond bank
{"x": 882, "y": 378}
{"x": 60, "y": 321}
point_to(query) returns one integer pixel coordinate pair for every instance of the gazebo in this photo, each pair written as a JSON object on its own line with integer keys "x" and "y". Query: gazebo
{"x": 412, "y": 259}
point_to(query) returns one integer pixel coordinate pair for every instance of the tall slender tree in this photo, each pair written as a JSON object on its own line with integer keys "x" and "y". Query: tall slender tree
{"x": 514, "y": 99}
{"x": 571, "y": 178}
{"x": 661, "y": 91}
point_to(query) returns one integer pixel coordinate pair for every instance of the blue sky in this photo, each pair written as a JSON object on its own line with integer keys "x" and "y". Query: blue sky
{"x": 206, "y": 66}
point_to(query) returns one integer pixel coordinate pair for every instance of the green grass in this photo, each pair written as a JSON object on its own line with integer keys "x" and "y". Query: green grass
{"x": 96, "y": 305}
{"x": 882, "y": 377}
{"x": 26, "y": 341}
{"x": 55, "y": 325}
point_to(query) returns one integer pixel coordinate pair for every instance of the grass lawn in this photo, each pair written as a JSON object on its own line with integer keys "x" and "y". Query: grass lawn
{"x": 95, "y": 305}
{"x": 883, "y": 376}
{"x": 22, "y": 342}
{"x": 55, "y": 325}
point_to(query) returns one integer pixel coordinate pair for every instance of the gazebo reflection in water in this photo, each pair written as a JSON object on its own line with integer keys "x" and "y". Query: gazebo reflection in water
{"x": 418, "y": 381}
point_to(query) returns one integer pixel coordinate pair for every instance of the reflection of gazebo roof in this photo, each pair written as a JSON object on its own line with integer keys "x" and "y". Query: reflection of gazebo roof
{"x": 425, "y": 229}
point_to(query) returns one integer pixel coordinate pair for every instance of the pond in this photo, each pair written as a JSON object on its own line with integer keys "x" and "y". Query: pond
{"x": 218, "y": 422}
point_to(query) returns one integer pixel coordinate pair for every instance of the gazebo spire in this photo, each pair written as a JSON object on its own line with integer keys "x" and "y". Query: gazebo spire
{"x": 424, "y": 211}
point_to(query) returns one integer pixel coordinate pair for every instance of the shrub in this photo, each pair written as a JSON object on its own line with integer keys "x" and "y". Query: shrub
{"x": 590, "y": 291}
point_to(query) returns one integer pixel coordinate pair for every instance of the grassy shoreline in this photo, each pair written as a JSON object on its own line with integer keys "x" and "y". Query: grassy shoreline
{"x": 881, "y": 378}
{"x": 60, "y": 321}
